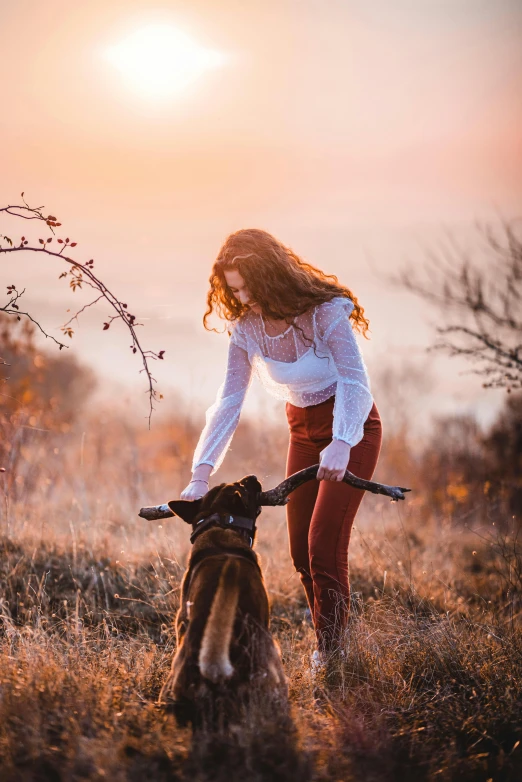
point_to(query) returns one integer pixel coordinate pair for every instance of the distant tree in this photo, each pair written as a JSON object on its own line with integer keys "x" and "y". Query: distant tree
{"x": 503, "y": 446}
{"x": 79, "y": 275}
{"x": 46, "y": 384}
{"x": 482, "y": 307}
{"x": 469, "y": 475}
{"x": 42, "y": 395}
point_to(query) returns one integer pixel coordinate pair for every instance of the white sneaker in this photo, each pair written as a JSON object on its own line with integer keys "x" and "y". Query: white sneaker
{"x": 317, "y": 663}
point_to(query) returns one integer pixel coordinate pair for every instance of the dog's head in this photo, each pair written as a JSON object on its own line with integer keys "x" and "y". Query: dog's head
{"x": 239, "y": 499}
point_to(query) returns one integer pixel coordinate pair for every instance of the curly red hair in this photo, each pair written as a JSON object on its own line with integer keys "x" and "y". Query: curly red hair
{"x": 281, "y": 282}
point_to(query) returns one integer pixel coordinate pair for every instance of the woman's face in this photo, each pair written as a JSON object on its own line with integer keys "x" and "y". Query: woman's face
{"x": 238, "y": 287}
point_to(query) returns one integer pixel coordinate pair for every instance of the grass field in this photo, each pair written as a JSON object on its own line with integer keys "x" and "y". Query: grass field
{"x": 430, "y": 688}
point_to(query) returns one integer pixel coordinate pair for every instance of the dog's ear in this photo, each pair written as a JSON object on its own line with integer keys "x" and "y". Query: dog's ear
{"x": 185, "y": 509}
{"x": 251, "y": 483}
{"x": 253, "y": 487}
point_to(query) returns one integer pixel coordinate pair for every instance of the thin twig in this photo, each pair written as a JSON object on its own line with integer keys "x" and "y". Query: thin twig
{"x": 80, "y": 274}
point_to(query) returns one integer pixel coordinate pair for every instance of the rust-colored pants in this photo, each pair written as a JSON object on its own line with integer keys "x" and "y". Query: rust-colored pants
{"x": 320, "y": 514}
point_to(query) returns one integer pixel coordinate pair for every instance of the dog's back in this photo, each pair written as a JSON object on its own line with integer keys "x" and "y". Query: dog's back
{"x": 222, "y": 626}
{"x": 225, "y": 650}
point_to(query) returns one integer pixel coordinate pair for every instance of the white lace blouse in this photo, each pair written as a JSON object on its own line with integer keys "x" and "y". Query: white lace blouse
{"x": 290, "y": 370}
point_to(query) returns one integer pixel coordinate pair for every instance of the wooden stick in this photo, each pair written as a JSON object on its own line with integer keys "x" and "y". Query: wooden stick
{"x": 279, "y": 494}
{"x": 156, "y": 512}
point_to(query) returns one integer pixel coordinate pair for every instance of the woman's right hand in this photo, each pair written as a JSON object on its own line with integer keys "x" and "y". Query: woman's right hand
{"x": 194, "y": 490}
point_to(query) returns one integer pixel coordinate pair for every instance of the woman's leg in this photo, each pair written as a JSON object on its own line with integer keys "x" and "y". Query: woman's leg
{"x": 330, "y": 527}
{"x": 301, "y": 453}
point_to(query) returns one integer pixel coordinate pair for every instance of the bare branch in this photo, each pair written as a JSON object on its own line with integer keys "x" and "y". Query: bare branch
{"x": 490, "y": 299}
{"x": 86, "y": 306}
{"x": 11, "y": 308}
{"x": 80, "y": 274}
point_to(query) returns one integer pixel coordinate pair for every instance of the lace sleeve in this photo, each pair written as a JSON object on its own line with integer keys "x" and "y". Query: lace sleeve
{"x": 223, "y": 416}
{"x": 236, "y": 334}
{"x": 353, "y": 397}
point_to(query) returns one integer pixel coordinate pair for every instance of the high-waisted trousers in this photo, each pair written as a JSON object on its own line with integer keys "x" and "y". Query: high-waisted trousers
{"x": 320, "y": 515}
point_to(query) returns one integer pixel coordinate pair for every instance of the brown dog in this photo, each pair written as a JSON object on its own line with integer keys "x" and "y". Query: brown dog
{"x": 225, "y": 649}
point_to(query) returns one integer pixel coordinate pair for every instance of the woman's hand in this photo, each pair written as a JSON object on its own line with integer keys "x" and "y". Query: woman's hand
{"x": 198, "y": 486}
{"x": 195, "y": 490}
{"x": 334, "y": 461}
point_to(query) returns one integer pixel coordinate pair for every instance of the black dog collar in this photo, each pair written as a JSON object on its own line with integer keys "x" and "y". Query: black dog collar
{"x": 225, "y": 521}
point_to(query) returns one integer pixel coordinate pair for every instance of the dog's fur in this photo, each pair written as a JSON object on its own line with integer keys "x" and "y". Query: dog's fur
{"x": 224, "y": 646}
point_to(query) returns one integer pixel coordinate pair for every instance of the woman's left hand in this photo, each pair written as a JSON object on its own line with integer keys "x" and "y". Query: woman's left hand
{"x": 333, "y": 461}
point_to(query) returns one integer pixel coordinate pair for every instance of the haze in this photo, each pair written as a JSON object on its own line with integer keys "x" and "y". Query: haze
{"x": 353, "y": 131}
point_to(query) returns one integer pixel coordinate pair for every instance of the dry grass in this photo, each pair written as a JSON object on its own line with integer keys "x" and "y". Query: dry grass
{"x": 429, "y": 686}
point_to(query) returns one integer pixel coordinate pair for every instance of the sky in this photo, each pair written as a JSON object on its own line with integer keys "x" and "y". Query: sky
{"x": 356, "y": 132}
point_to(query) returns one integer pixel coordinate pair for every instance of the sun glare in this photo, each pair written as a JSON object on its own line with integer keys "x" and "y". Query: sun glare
{"x": 161, "y": 61}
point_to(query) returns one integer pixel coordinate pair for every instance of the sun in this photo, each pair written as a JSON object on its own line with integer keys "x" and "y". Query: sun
{"x": 161, "y": 61}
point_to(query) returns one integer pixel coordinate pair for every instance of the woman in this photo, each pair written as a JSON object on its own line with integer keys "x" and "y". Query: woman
{"x": 289, "y": 323}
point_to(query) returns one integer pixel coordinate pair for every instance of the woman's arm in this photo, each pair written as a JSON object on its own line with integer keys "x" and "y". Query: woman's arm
{"x": 223, "y": 416}
{"x": 353, "y": 397}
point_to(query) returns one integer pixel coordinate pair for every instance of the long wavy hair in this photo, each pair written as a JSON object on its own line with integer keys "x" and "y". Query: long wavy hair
{"x": 282, "y": 283}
